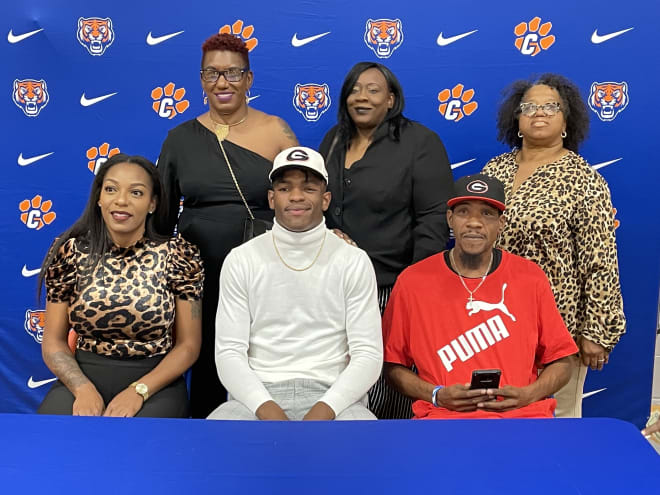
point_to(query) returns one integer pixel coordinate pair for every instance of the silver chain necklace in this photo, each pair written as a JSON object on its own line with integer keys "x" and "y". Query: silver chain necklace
{"x": 483, "y": 278}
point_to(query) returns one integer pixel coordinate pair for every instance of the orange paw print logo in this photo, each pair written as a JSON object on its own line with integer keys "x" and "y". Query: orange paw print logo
{"x": 168, "y": 102}
{"x": 533, "y": 37}
{"x": 35, "y": 213}
{"x": 456, "y": 103}
{"x": 616, "y": 222}
{"x": 98, "y": 156}
{"x": 237, "y": 29}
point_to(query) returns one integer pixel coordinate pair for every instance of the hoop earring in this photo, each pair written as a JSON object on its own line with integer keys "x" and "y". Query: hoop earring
{"x": 520, "y": 134}
{"x": 563, "y": 135}
{"x": 247, "y": 97}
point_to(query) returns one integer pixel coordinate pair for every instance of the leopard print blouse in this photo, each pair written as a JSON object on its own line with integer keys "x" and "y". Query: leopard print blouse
{"x": 125, "y": 307}
{"x": 561, "y": 217}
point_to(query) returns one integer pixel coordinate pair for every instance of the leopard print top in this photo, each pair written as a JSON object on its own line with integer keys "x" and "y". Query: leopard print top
{"x": 125, "y": 307}
{"x": 561, "y": 217}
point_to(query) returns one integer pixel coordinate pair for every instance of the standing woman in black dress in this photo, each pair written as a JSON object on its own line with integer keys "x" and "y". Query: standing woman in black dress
{"x": 193, "y": 165}
{"x": 390, "y": 179}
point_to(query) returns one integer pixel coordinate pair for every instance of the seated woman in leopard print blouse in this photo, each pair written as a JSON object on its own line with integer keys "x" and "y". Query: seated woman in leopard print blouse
{"x": 559, "y": 214}
{"x": 131, "y": 295}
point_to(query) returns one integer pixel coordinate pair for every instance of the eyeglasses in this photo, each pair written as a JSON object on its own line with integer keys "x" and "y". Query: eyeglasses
{"x": 233, "y": 74}
{"x": 530, "y": 109}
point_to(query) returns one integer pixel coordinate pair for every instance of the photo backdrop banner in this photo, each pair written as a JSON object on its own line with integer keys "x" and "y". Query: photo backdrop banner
{"x": 83, "y": 80}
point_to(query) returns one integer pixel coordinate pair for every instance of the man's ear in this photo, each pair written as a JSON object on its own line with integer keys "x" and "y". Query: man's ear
{"x": 502, "y": 222}
{"x": 271, "y": 199}
{"x": 449, "y": 216}
{"x": 327, "y": 197}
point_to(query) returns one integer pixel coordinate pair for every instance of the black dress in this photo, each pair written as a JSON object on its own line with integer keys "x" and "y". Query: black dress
{"x": 192, "y": 165}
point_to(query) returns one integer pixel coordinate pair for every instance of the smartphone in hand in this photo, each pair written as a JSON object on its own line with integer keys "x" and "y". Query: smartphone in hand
{"x": 485, "y": 379}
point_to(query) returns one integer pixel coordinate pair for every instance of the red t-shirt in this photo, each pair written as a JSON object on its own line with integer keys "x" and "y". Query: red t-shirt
{"x": 513, "y": 324}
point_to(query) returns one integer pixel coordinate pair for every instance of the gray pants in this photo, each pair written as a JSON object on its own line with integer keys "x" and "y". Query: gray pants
{"x": 296, "y": 397}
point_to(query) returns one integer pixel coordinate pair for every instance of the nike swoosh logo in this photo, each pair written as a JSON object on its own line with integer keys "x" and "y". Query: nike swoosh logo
{"x": 605, "y": 164}
{"x": 595, "y": 38}
{"x": 15, "y": 38}
{"x": 155, "y": 40}
{"x": 28, "y": 161}
{"x": 85, "y": 102}
{"x": 36, "y": 384}
{"x": 29, "y": 273}
{"x": 589, "y": 394}
{"x": 250, "y": 98}
{"x": 303, "y": 41}
{"x": 442, "y": 41}
{"x": 460, "y": 164}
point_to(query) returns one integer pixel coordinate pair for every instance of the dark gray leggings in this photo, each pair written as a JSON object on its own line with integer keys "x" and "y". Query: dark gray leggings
{"x": 110, "y": 376}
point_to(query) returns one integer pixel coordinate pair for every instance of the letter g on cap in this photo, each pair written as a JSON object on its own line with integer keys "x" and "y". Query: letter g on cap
{"x": 477, "y": 187}
{"x": 298, "y": 155}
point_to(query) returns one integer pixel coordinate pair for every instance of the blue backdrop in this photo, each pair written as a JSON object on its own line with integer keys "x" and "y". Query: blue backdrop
{"x": 82, "y": 80}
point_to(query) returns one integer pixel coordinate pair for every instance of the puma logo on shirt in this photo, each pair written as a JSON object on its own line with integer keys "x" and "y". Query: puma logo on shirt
{"x": 473, "y": 341}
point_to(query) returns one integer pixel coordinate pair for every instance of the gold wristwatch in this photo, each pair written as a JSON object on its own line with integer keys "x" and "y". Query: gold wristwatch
{"x": 142, "y": 389}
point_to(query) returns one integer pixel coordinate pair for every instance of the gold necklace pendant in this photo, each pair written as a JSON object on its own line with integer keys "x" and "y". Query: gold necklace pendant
{"x": 221, "y": 131}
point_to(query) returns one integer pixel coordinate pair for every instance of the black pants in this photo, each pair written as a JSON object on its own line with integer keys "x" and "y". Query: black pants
{"x": 111, "y": 376}
{"x": 206, "y": 390}
{"x": 384, "y": 401}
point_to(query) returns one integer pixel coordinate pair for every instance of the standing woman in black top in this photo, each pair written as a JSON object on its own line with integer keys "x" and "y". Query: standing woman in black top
{"x": 193, "y": 165}
{"x": 390, "y": 179}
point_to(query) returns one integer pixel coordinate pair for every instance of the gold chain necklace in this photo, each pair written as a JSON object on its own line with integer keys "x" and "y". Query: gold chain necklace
{"x": 325, "y": 232}
{"x": 222, "y": 130}
{"x": 483, "y": 278}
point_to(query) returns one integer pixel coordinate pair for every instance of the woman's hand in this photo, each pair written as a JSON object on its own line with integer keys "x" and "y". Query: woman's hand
{"x": 88, "y": 401}
{"x": 344, "y": 236}
{"x": 592, "y": 354}
{"x": 652, "y": 428}
{"x": 125, "y": 404}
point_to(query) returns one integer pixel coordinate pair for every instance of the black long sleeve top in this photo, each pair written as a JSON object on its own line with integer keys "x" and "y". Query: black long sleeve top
{"x": 393, "y": 200}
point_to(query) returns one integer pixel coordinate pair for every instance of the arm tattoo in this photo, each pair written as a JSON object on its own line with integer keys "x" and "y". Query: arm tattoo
{"x": 288, "y": 132}
{"x": 196, "y": 309}
{"x": 66, "y": 368}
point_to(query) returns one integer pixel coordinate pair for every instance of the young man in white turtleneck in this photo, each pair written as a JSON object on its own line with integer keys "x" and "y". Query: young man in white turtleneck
{"x": 298, "y": 329}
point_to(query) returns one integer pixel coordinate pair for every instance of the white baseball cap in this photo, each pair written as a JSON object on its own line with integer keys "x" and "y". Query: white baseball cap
{"x": 300, "y": 157}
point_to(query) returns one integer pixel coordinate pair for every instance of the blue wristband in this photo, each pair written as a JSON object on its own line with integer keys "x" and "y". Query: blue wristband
{"x": 434, "y": 395}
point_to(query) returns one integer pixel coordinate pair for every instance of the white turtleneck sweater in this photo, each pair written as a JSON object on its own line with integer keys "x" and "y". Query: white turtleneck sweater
{"x": 275, "y": 324}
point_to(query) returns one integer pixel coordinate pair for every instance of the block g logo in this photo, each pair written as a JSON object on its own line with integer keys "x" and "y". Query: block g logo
{"x": 477, "y": 187}
{"x": 298, "y": 155}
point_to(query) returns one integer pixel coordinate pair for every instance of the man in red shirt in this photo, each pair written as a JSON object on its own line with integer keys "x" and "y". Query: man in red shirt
{"x": 473, "y": 308}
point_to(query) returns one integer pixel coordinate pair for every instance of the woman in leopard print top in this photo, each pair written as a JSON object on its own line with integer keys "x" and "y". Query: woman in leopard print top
{"x": 131, "y": 295}
{"x": 559, "y": 214}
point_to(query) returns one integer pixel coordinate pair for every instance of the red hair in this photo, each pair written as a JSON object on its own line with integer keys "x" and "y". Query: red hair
{"x": 228, "y": 43}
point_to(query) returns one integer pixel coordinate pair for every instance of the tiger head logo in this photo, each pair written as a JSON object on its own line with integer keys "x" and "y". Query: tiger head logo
{"x": 30, "y": 95}
{"x": 35, "y": 321}
{"x": 383, "y": 36}
{"x": 311, "y": 100}
{"x": 608, "y": 99}
{"x": 95, "y": 34}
